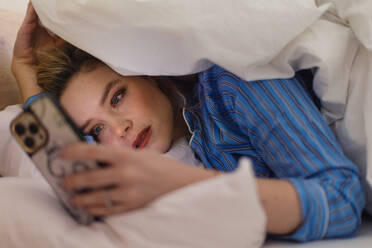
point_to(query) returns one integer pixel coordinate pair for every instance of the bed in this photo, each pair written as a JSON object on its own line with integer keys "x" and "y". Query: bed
{"x": 185, "y": 218}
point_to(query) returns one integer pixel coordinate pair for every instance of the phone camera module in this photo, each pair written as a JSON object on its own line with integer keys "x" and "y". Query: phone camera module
{"x": 20, "y": 129}
{"x": 29, "y": 142}
{"x": 33, "y": 128}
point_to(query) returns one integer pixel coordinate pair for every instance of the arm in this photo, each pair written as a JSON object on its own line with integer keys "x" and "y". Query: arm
{"x": 318, "y": 181}
{"x": 31, "y": 38}
{"x": 141, "y": 177}
{"x": 281, "y": 204}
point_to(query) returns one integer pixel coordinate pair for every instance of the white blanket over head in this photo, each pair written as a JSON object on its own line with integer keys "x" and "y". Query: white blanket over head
{"x": 254, "y": 39}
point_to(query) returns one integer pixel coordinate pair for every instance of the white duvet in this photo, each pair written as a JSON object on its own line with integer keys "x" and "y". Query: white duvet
{"x": 223, "y": 212}
{"x": 254, "y": 39}
{"x": 192, "y": 217}
{"x": 201, "y": 215}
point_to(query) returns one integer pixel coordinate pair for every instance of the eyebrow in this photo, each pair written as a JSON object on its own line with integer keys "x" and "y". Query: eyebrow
{"x": 82, "y": 128}
{"x": 108, "y": 88}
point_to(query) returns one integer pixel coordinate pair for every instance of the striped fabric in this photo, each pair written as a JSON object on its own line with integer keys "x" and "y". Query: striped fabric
{"x": 276, "y": 124}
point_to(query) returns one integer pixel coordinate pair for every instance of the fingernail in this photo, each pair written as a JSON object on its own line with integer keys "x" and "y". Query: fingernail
{"x": 61, "y": 183}
{"x": 72, "y": 202}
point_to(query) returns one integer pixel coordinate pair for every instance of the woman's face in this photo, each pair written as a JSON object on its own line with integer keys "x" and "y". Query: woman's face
{"x": 117, "y": 110}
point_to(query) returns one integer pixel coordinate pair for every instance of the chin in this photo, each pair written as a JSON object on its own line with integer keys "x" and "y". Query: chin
{"x": 160, "y": 148}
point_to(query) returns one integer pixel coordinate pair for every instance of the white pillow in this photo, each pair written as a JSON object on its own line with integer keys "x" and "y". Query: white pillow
{"x": 215, "y": 213}
{"x": 166, "y": 37}
{"x": 219, "y": 213}
{"x": 9, "y": 24}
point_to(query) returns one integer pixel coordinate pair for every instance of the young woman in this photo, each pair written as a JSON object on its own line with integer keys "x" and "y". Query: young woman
{"x": 308, "y": 188}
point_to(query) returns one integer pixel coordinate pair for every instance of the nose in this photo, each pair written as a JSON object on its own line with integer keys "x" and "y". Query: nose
{"x": 122, "y": 128}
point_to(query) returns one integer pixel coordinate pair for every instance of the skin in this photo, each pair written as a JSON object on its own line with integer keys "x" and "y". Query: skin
{"x": 139, "y": 176}
{"x": 132, "y": 104}
{"x": 31, "y": 37}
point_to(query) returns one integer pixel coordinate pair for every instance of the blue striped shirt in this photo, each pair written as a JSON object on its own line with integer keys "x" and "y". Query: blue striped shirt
{"x": 276, "y": 124}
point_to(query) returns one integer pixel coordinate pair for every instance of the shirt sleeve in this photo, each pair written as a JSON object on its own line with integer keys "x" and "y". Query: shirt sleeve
{"x": 295, "y": 142}
{"x": 31, "y": 99}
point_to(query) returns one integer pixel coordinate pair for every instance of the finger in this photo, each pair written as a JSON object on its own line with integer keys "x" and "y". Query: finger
{"x": 100, "y": 211}
{"x": 109, "y": 198}
{"x": 26, "y": 30}
{"x": 83, "y": 151}
{"x": 31, "y": 15}
{"x": 97, "y": 178}
{"x": 120, "y": 201}
{"x": 58, "y": 40}
{"x": 24, "y": 41}
{"x": 43, "y": 40}
{"x": 29, "y": 22}
{"x": 95, "y": 198}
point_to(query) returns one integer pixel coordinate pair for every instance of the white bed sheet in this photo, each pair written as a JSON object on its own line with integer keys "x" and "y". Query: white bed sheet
{"x": 27, "y": 200}
{"x": 362, "y": 240}
{"x": 200, "y": 215}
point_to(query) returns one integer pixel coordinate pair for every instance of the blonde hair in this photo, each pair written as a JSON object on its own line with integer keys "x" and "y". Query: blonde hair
{"x": 58, "y": 65}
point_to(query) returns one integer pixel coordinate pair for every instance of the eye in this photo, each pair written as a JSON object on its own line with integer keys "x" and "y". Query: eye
{"x": 117, "y": 97}
{"x": 95, "y": 131}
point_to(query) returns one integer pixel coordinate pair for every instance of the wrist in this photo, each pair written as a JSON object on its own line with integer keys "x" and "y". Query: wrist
{"x": 201, "y": 174}
{"x": 26, "y": 78}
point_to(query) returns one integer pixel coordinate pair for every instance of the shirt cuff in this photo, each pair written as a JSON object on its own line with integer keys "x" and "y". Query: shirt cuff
{"x": 33, "y": 98}
{"x": 314, "y": 209}
{"x": 89, "y": 139}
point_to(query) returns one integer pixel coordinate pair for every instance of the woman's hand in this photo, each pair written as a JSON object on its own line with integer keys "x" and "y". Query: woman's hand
{"x": 31, "y": 37}
{"x": 131, "y": 180}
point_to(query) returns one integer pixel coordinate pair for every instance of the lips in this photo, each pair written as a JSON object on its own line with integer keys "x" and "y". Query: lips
{"x": 142, "y": 138}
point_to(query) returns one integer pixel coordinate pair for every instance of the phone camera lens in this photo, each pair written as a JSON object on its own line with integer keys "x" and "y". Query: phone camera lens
{"x": 33, "y": 128}
{"x": 20, "y": 129}
{"x": 29, "y": 142}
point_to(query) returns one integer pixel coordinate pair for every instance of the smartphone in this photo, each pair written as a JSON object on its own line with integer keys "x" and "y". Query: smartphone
{"x": 41, "y": 130}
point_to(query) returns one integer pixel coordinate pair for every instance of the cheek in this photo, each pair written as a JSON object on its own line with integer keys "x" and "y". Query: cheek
{"x": 166, "y": 108}
{"x": 109, "y": 137}
{"x": 147, "y": 105}
{"x": 106, "y": 137}
{"x": 139, "y": 106}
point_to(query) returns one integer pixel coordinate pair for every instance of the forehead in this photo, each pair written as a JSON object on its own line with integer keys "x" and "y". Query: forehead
{"x": 83, "y": 93}
{"x": 98, "y": 76}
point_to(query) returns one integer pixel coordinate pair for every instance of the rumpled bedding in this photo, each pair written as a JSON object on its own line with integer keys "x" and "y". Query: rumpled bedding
{"x": 254, "y": 39}
{"x": 204, "y": 214}
{"x": 191, "y": 217}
